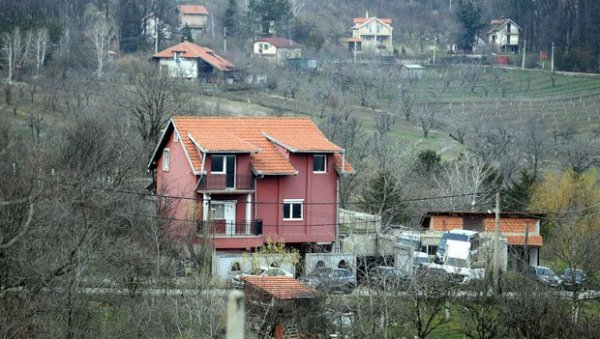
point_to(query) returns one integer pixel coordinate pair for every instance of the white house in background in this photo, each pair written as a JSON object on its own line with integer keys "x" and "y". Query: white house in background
{"x": 504, "y": 36}
{"x": 188, "y": 60}
{"x": 149, "y": 27}
{"x": 276, "y": 50}
{"x": 371, "y": 34}
{"x": 195, "y": 17}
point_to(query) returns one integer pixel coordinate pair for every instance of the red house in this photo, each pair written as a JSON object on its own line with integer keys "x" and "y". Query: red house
{"x": 238, "y": 182}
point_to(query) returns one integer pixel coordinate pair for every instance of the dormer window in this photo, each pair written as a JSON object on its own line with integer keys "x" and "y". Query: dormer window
{"x": 319, "y": 163}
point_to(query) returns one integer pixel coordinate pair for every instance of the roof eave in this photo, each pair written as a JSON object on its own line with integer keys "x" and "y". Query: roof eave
{"x": 159, "y": 144}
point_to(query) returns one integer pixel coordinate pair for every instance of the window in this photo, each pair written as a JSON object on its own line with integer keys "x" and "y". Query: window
{"x": 218, "y": 211}
{"x": 165, "y": 159}
{"x": 319, "y": 163}
{"x": 176, "y": 137}
{"x": 508, "y": 27}
{"x": 292, "y": 209}
{"x": 217, "y": 164}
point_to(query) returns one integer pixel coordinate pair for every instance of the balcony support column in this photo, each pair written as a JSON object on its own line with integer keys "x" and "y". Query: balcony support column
{"x": 205, "y": 206}
{"x": 248, "y": 212}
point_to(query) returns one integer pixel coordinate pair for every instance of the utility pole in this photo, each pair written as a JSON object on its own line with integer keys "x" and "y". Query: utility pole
{"x": 552, "y": 58}
{"x": 156, "y": 24}
{"x": 355, "y": 51}
{"x": 524, "y": 53}
{"x": 225, "y": 39}
{"x": 496, "y": 257}
{"x": 235, "y": 315}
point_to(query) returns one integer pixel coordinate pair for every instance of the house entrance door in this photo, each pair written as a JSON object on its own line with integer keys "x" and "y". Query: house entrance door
{"x": 229, "y": 207}
{"x": 223, "y": 215}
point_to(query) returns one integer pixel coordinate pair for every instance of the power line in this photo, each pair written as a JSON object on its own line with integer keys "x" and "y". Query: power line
{"x": 148, "y": 194}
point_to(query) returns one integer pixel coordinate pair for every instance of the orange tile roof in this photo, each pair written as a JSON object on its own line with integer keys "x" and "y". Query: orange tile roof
{"x": 532, "y": 240}
{"x": 359, "y": 21}
{"x": 249, "y": 135}
{"x": 190, "y": 50}
{"x": 217, "y": 141}
{"x": 192, "y": 9}
{"x": 280, "y": 287}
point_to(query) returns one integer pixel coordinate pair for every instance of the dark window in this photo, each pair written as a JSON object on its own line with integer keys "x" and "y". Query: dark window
{"x": 508, "y": 27}
{"x": 319, "y": 163}
{"x": 473, "y": 223}
{"x": 292, "y": 209}
{"x": 217, "y": 163}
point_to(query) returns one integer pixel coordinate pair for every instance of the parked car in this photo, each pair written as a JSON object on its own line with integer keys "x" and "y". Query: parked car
{"x": 573, "y": 279}
{"x": 545, "y": 276}
{"x": 331, "y": 279}
{"x": 237, "y": 282}
{"x": 387, "y": 277}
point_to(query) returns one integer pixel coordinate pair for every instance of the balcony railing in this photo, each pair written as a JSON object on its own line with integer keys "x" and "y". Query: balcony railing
{"x": 224, "y": 228}
{"x": 226, "y": 182}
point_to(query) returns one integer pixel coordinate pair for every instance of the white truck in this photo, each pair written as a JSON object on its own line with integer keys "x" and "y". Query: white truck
{"x": 458, "y": 259}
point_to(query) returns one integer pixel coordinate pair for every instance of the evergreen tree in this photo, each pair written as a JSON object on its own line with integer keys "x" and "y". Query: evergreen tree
{"x": 517, "y": 196}
{"x": 383, "y": 197}
{"x": 470, "y": 22}
{"x": 271, "y": 15}
{"x": 230, "y": 18}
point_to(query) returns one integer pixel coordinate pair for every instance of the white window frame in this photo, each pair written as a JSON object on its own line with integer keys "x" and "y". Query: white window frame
{"x": 224, "y": 169}
{"x": 225, "y": 157}
{"x": 290, "y": 208}
{"x": 166, "y": 159}
{"x": 324, "y": 163}
{"x": 176, "y": 136}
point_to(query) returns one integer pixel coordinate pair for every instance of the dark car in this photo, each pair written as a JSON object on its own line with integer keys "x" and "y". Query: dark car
{"x": 387, "y": 277}
{"x": 573, "y": 279}
{"x": 331, "y": 280}
{"x": 545, "y": 276}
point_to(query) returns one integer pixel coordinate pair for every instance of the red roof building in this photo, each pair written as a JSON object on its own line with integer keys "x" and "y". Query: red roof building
{"x": 241, "y": 181}
{"x": 189, "y": 60}
{"x": 277, "y": 50}
{"x": 520, "y": 229}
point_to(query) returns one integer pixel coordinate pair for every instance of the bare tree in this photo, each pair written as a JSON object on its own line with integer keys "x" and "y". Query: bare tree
{"x": 40, "y": 47}
{"x": 468, "y": 174}
{"x": 15, "y": 50}
{"x": 151, "y": 101}
{"x": 100, "y": 32}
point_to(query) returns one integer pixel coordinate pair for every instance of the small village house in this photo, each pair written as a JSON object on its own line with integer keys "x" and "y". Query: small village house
{"x": 371, "y": 35}
{"x": 504, "y": 36}
{"x": 188, "y": 60}
{"x": 520, "y": 229}
{"x": 276, "y": 50}
{"x": 244, "y": 181}
{"x": 194, "y": 18}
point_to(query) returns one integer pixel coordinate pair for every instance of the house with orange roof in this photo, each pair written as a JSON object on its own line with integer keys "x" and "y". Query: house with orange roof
{"x": 240, "y": 182}
{"x": 520, "y": 231}
{"x": 194, "y": 17}
{"x": 188, "y": 60}
{"x": 276, "y": 50}
{"x": 371, "y": 35}
{"x": 504, "y": 35}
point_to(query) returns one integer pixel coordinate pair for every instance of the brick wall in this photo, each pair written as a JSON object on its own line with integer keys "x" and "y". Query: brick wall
{"x": 445, "y": 223}
{"x": 510, "y": 225}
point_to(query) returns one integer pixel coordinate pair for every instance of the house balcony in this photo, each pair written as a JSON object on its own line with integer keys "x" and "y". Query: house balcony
{"x": 230, "y": 235}
{"x": 225, "y": 228}
{"x": 226, "y": 183}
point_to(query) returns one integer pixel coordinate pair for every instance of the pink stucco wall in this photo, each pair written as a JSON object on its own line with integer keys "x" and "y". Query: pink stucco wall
{"x": 317, "y": 190}
{"x": 178, "y": 181}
